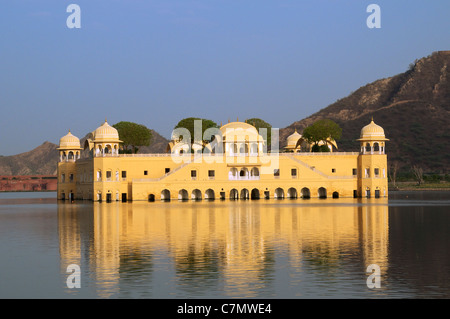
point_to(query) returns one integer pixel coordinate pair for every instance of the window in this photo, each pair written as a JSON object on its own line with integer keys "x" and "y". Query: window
{"x": 145, "y": 172}
{"x": 355, "y": 171}
{"x": 211, "y": 174}
{"x": 294, "y": 172}
{"x": 63, "y": 178}
{"x": 276, "y": 172}
{"x": 124, "y": 174}
{"x": 377, "y": 172}
{"x": 71, "y": 177}
{"x": 333, "y": 170}
{"x": 193, "y": 174}
{"x": 108, "y": 175}
{"x": 167, "y": 170}
{"x": 367, "y": 172}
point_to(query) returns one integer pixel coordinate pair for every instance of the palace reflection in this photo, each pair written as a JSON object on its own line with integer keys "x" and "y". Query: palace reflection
{"x": 234, "y": 246}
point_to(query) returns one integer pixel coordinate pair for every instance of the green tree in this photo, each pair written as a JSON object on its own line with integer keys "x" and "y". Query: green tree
{"x": 258, "y": 123}
{"x": 133, "y": 135}
{"x": 322, "y": 130}
{"x": 188, "y": 123}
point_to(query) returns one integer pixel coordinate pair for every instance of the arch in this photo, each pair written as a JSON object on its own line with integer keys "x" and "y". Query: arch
{"x": 335, "y": 195}
{"x": 183, "y": 195}
{"x": 292, "y": 193}
{"x": 234, "y": 194}
{"x": 305, "y": 193}
{"x": 245, "y": 194}
{"x": 254, "y": 149}
{"x": 279, "y": 193}
{"x": 243, "y": 150}
{"x": 209, "y": 194}
{"x": 151, "y": 197}
{"x": 376, "y": 147}
{"x": 70, "y": 156}
{"x": 233, "y": 173}
{"x": 234, "y": 149}
{"x": 322, "y": 192}
{"x": 254, "y": 173}
{"x": 368, "y": 147}
{"x": 254, "y": 194}
{"x": 243, "y": 172}
{"x": 196, "y": 194}
{"x": 165, "y": 195}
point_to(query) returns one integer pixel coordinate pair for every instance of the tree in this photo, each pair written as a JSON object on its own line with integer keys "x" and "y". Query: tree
{"x": 393, "y": 170}
{"x": 261, "y": 124}
{"x": 418, "y": 174}
{"x": 322, "y": 130}
{"x": 133, "y": 135}
{"x": 188, "y": 123}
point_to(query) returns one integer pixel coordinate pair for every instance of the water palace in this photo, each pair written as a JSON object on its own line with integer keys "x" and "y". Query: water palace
{"x": 242, "y": 169}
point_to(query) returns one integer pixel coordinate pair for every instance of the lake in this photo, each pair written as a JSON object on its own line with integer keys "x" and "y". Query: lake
{"x": 316, "y": 248}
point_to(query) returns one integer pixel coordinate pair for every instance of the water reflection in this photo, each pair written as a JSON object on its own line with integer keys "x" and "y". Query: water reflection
{"x": 224, "y": 249}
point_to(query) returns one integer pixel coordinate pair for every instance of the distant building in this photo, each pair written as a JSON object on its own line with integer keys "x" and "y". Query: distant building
{"x": 235, "y": 165}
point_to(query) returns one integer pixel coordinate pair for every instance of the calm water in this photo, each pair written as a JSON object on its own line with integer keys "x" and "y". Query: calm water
{"x": 226, "y": 249}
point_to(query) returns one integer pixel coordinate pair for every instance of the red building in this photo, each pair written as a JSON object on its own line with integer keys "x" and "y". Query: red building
{"x": 28, "y": 183}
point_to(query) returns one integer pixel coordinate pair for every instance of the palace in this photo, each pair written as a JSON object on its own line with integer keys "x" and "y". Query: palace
{"x": 236, "y": 165}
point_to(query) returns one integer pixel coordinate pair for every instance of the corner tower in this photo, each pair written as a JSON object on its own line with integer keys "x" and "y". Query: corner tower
{"x": 372, "y": 162}
{"x": 69, "y": 152}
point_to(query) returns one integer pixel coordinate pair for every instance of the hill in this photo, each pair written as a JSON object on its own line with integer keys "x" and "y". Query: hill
{"x": 413, "y": 108}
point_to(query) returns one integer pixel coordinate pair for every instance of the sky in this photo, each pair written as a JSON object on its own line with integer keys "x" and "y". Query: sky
{"x": 157, "y": 62}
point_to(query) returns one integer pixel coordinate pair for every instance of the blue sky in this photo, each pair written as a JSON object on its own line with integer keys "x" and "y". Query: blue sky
{"x": 156, "y": 62}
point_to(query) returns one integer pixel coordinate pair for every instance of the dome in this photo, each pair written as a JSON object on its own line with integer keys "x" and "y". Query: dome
{"x": 372, "y": 131}
{"x": 240, "y": 131}
{"x": 106, "y": 132}
{"x": 293, "y": 138}
{"x": 69, "y": 141}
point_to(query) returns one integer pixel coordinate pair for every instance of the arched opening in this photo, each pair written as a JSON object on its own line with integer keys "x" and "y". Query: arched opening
{"x": 165, "y": 195}
{"x": 279, "y": 193}
{"x": 209, "y": 194}
{"x": 196, "y": 194}
{"x": 234, "y": 149}
{"x": 376, "y": 147}
{"x": 292, "y": 193}
{"x": 306, "y": 194}
{"x": 151, "y": 197}
{"x": 243, "y": 150}
{"x": 335, "y": 195}
{"x": 234, "y": 194}
{"x": 183, "y": 195}
{"x": 244, "y": 193}
{"x": 254, "y": 149}
{"x": 233, "y": 173}
{"x": 243, "y": 174}
{"x": 255, "y": 193}
{"x": 322, "y": 192}
{"x": 70, "y": 156}
{"x": 254, "y": 173}
{"x": 368, "y": 147}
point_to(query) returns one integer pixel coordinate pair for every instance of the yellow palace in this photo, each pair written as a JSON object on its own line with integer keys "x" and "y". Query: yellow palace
{"x": 235, "y": 166}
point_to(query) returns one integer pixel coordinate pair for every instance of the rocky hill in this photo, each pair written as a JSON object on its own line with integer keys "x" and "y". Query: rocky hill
{"x": 413, "y": 108}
